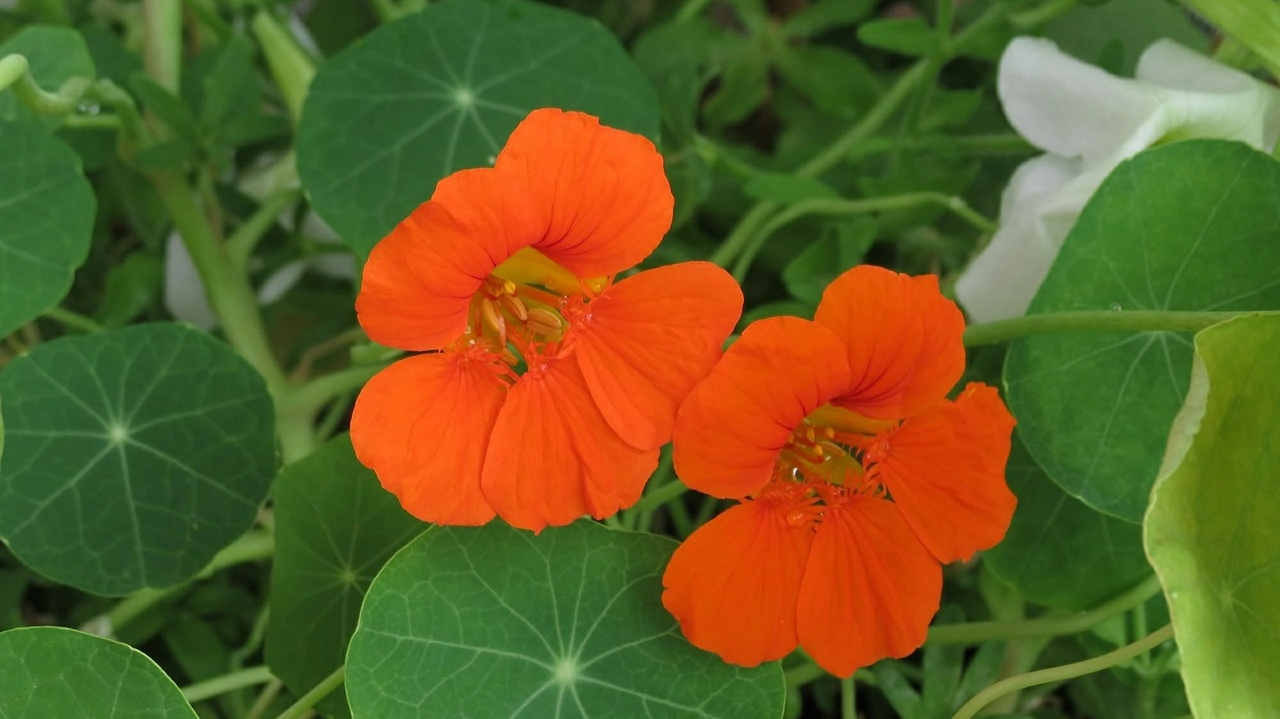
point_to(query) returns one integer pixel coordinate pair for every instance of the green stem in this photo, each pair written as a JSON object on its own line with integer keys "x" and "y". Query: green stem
{"x": 241, "y": 244}
{"x": 92, "y": 122}
{"x": 661, "y": 495}
{"x": 73, "y": 320}
{"x": 981, "y": 632}
{"x": 839, "y": 207}
{"x": 1064, "y": 672}
{"x": 162, "y": 56}
{"x": 216, "y": 686}
{"x": 990, "y": 333}
{"x": 742, "y": 234}
{"x": 227, "y": 287}
{"x": 803, "y": 674}
{"x": 690, "y": 10}
{"x": 268, "y": 695}
{"x": 313, "y": 395}
{"x": 251, "y": 547}
{"x": 1029, "y": 19}
{"x": 320, "y": 691}
{"x": 848, "y": 698}
{"x": 291, "y": 67}
{"x": 15, "y": 72}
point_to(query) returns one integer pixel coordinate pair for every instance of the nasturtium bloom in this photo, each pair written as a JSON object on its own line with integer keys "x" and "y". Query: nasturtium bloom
{"x": 857, "y": 478}
{"x": 545, "y": 387}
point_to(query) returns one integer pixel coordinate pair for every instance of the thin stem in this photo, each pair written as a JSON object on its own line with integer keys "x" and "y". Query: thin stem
{"x": 742, "y": 234}
{"x": 268, "y": 695}
{"x": 990, "y": 333}
{"x": 242, "y": 242}
{"x": 1064, "y": 672}
{"x": 981, "y": 632}
{"x": 661, "y": 495}
{"x": 228, "y": 290}
{"x": 73, "y": 320}
{"x": 92, "y": 122}
{"x": 251, "y": 547}
{"x": 291, "y": 67}
{"x": 320, "y": 691}
{"x": 803, "y": 674}
{"x": 216, "y": 686}
{"x": 839, "y": 207}
{"x": 313, "y": 395}
{"x": 848, "y": 698}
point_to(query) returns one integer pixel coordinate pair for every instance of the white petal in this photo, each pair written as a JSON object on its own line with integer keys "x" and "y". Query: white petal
{"x": 281, "y": 281}
{"x": 1168, "y": 64}
{"x": 1068, "y": 107}
{"x": 1037, "y": 211}
{"x": 183, "y": 291}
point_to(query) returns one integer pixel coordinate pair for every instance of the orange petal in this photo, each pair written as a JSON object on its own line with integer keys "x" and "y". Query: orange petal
{"x": 730, "y": 429}
{"x": 903, "y": 339}
{"x": 945, "y": 471}
{"x": 870, "y": 588}
{"x": 422, "y": 425}
{"x": 552, "y": 457}
{"x": 603, "y": 199}
{"x": 646, "y": 341}
{"x": 733, "y": 583}
{"x": 419, "y": 280}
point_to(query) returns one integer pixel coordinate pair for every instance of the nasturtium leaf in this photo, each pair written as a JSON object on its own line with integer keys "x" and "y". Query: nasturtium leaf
{"x": 1192, "y": 225}
{"x": 492, "y": 621}
{"x": 335, "y": 528}
{"x": 57, "y": 672}
{"x": 1059, "y": 552}
{"x": 131, "y": 456}
{"x": 54, "y": 55}
{"x": 1213, "y": 528}
{"x": 441, "y": 90}
{"x": 46, "y": 222}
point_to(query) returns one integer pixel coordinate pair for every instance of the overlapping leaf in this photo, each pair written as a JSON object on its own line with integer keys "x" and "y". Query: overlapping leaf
{"x": 1213, "y": 529}
{"x": 55, "y": 672}
{"x": 132, "y": 456}
{"x": 46, "y": 221}
{"x": 335, "y": 528}
{"x": 441, "y": 90}
{"x": 1059, "y": 552}
{"x": 493, "y": 621}
{"x": 1189, "y": 226}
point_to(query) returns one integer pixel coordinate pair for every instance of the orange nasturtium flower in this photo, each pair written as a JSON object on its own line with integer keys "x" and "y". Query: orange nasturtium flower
{"x": 858, "y": 478}
{"x": 545, "y": 388}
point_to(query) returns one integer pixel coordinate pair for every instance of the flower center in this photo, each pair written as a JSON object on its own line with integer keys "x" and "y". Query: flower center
{"x": 827, "y": 457}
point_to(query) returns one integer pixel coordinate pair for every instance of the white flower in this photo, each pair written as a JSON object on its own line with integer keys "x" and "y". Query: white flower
{"x": 1087, "y": 121}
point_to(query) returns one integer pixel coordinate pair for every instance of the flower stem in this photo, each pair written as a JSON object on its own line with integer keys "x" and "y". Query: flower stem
{"x": 227, "y": 683}
{"x": 848, "y": 698}
{"x": 251, "y": 547}
{"x": 15, "y": 72}
{"x": 318, "y": 692}
{"x": 240, "y": 245}
{"x": 1064, "y": 672}
{"x": 225, "y": 284}
{"x": 989, "y": 333}
{"x": 803, "y": 674}
{"x": 981, "y": 632}
{"x": 73, "y": 320}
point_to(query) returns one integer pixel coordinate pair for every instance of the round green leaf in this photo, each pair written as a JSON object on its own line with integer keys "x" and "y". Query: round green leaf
{"x": 1058, "y": 552}
{"x": 54, "y": 55}
{"x": 1213, "y": 530}
{"x": 492, "y": 621}
{"x": 132, "y": 456}
{"x": 46, "y": 222}
{"x": 441, "y": 90}
{"x": 335, "y": 528}
{"x": 1193, "y": 225}
{"x": 57, "y": 672}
